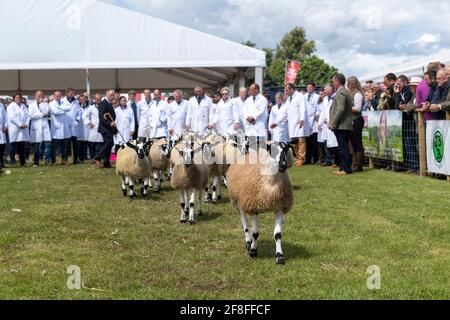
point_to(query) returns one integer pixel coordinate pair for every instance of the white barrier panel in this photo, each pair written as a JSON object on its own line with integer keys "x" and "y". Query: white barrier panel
{"x": 438, "y": 147}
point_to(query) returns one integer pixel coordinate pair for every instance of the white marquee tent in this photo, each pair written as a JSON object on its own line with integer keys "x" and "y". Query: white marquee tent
{"x": 93, "y": 45}
{"x": 412, "y": 69}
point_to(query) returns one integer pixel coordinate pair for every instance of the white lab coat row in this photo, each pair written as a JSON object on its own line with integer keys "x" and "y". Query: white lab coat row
{"x": 325, "y": 134}
{"x": 3, "y": 123}
{"x": 153, "y": 120}
{"x": 39, "y": 123}
{"x": 91, "y": 118}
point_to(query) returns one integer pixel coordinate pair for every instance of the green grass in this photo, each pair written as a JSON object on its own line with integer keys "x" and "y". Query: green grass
{"x": 337, "y": 229}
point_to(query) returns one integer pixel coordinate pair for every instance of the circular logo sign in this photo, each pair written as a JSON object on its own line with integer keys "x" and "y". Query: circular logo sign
{"x": 438, "y": 147}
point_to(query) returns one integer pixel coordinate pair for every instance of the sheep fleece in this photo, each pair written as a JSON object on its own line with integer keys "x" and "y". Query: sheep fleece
{"x": 129, "y": 165}
{"x": 258, "y": 194}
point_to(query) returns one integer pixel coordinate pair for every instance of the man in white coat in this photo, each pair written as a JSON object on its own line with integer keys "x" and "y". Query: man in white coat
{"x": 18, "y": 127}
{"x": 143, "y": 106}
{"x": 226, "y": 116}
{"x": 40, "y": 134}
{"x": 256, "y": 116}
{"x": 154, "y": 120}
{"x": 3, "y": 130}
{"x": 75, "y": 122}
{"x": 298, "y": 125}
{"x": 200, "y": 113}
{"x": 134, "y": 106}
{"x": 239, "y": 104}
{"x": 125, "y": 124}
{"x": 312, "y": 102}
{"x": 60, "y": 127}
{"x": 325, "y": 134}
{"x": 278, "y": 121}
{"x": 177, "y": 113}
{"x": 91, "y": 120}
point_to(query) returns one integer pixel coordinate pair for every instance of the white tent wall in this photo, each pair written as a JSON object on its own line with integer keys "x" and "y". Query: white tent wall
{"x": 54, "y": 42}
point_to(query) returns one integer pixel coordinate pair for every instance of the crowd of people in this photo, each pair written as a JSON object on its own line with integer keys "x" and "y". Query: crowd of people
{"x": 324, "y": 126}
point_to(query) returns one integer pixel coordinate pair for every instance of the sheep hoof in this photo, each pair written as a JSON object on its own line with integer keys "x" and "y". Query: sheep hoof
{"x": 280, "y": 259}
{"x": 219, "y": 198}
{"x": 182, "y": 221}
{"x": 200, "y": 213}
{"x": 253, "y": 253}
{"x": 157, "y": 190}
{"x": 192, "y": 222}
{"x": 214, "y": 202}
{"x": 124, "y": 192}
{"x": 207, "y": 200}
{"x": 249, "y": 245}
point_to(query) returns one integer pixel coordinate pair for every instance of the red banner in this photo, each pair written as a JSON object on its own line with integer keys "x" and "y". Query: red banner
{"x": 292, "y": 70}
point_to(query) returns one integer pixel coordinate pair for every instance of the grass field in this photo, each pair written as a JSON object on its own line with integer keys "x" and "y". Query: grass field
{"x": 53, "y": 218}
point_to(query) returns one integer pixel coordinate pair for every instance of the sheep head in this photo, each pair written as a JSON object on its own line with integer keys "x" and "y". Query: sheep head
{"x": 142, "y": 149}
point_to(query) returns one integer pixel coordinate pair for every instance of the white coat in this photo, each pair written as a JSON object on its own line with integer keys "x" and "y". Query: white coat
{"x": 75, "y": 119}
{"x": 239, "y": 104}
{"x": 40, "y": 127}
{"x": 90, "y": 116}
{"x": 142, "y": 107}
{"x": 279, "y": 116}
{"x": 312, "y": 101}
{"x": 3, "y": 123}
{"x": 200, "y": 115}
{"x": 18, "y": 116}
{"x": 154, "y": 120}
{"x": 296, "y": 108}
{"x": 60, "y": 120}
{"x": 257, "y": 108}
{"x": 326, "y": 134}
{"x": 226, "y": 115}
{"x": 177, "y": 114}
{"x": 125, "y": 125}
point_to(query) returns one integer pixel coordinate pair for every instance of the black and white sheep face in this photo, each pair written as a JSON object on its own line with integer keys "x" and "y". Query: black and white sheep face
{"x": 279, "y": 156}
{"x": 165, "y": 150}
{"x": 142, "y": 149}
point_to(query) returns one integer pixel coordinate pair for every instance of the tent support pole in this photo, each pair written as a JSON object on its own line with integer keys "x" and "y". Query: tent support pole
{"x": 116, "y": 80}
{"x": 88, "y": 83}
{"x": 259, "y": 75}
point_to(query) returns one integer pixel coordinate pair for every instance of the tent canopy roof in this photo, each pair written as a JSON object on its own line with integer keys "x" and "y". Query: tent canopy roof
{"x": 94, "y": 35}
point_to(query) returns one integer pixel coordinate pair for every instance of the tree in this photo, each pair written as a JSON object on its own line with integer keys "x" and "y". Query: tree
{"x": 313, "y": 69}
{"x": 295, "y": 46}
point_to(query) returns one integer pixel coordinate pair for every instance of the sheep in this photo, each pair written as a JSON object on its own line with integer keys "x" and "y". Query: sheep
{"x": 133, "y": 164}
{"x": 160, "y": 154}
{"x": 215, "y": 151}
{"x": 189, "y": 173}
{"x": 260, "y": 188}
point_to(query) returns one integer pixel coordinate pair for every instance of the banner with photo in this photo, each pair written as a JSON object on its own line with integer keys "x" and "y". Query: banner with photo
{"x": 438, "y": 147}
{"x": 383, "y": 135}
{"x": 292, "y": 70}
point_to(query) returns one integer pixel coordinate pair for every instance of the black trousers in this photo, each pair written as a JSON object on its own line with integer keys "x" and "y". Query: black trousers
{"x": 19, "y": 147}
{"x": 82, "y": 150}
{"x": 343, "y": 138}
{"x": 94, "y": 148}
{"x": 105, "y": 151}
{"x": 74, "y": 148}
{"x": 312, "y": 149}
{"x": 356, "y": 135}
{"x": 2, "y": 154}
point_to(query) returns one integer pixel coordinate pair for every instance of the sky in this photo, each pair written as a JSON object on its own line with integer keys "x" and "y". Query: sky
{"x": 357, "y": 37}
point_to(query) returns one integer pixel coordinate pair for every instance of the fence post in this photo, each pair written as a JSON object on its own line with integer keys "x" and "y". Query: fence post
{"x": 422, "y": 145}
{"x": 448, "y": 118}
{"x": 371, "y": 163}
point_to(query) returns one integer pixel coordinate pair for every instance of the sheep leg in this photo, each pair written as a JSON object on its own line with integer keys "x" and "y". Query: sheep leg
{"x": 218, "y": 185}
{"x": 183, "y": 206}
{"x": 132, "y": 194}
{"x": 254, "y": 247}
{"x": 192, "y": 207}
{"x": 200, "y": 209}
{"x": 124, "y": 186}
{"x": 278, "y": 224}
{"x": 144, "y": 187}
{"x": 157, "y": 177}
{"x": 216, "y": 189}
{"x": 245, "y": 226}
{"x": 208, "y": 195}
{"x": 225, "y": 182}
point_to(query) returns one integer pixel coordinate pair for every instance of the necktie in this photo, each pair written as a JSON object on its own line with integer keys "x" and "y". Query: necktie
{"x": 309, "y": 97}
{"x": 254, "y": 99}
{"x": 290, "y": 99}
{"x": 134, "y": 107}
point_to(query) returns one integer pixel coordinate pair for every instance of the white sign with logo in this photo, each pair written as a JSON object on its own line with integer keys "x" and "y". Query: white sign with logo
{"x": 438, "y": 147}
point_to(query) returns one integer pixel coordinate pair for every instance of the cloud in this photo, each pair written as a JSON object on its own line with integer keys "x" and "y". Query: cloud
{"x": 356, "y": 37}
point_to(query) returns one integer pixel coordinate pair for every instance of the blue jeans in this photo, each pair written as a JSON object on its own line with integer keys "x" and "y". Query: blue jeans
{"x": 46, "y": 146}
{"x": 343, "y": 138}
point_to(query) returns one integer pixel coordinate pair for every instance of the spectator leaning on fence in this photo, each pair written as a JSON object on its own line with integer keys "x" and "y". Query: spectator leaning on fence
{"x": 387, "y": 99}
{"x": 444, "y": 106}
{"x": 438, "y": 94}
{"x": 356, "y": 91}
